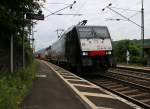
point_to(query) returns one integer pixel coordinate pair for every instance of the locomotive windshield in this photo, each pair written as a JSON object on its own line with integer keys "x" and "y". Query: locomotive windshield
{"x": 89, "y": 32}
{"x": 85, "y": 32}
{"x": 101, "y": 32}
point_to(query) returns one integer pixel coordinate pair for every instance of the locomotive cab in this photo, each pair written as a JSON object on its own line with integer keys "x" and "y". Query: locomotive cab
{"x": 95, "y": 46}
{"x": 83, "y": 47}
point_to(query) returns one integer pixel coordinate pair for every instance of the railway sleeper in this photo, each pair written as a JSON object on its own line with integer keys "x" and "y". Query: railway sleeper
{"x": 131, "y": 84}
{"x": 109, "y": 84}
{"x": 134, "y": 74}
{"x": 122, "y": 88}
{"x": 116, "y": 86}
{"x": 145, "y": 101}
{"x": 139, "y": 95}
{"x": 143, "y": 97}
{"x": 128, "y": 92}
{"x": 133, "y": 71}
{"x": 104, "y": 82}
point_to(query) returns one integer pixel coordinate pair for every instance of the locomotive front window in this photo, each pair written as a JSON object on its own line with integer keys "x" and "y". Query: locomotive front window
{"x": 89, "y": 32}
{"x": 101, "y": 32}
{"x": 86, "y": 32}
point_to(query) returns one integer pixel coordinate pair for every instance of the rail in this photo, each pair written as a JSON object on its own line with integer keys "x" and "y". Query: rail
{"x": 130, "y": 98}
{"x": 124, "y": 85}
{"x": 135, "y": 69}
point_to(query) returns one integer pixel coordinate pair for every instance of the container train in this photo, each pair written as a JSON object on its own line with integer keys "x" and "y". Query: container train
{"x": 82, "y": 47}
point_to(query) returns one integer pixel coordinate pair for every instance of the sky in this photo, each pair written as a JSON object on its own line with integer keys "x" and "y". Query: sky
{"x": 91, "y": 10}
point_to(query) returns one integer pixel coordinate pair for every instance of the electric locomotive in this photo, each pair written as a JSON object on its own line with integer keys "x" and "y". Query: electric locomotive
{"x": 83, "y": 47}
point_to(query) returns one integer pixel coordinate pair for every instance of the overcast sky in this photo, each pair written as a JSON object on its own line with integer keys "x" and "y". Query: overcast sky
{"x": 92, "y": 11}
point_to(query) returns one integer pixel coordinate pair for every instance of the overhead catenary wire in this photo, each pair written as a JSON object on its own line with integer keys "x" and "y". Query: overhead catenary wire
{"x": 57, "y": 3}
{"x": 70, "y": 14}
{"x": 61, "y": 13}
{"x": 124, "y": 16}
{"x": 46, "y": 9}
{"x": 106, "y": 19}
{"x": 120, "y": 14}
{"x": 79, "y": 9}
{"x": 52, "y": 13}
{"x": 61, "y": 9}
{"x": 125, "y": 9}
{"x": 134, "y": 15}
{"x": 118, "y": 19}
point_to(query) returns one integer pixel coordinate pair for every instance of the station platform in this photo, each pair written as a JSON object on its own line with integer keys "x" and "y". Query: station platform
{"x": 57, "y": 88}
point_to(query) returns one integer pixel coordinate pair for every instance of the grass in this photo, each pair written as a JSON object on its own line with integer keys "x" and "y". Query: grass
{"x": 14, "y": 87}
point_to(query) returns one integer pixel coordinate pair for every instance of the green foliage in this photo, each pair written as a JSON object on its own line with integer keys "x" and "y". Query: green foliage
{"x": 13, "y": 88}
{"x": 12, "y": 18}
{"x": 12, "y": 23}
{"x": 121, "y": 47}
{"x": 120, "y": 50}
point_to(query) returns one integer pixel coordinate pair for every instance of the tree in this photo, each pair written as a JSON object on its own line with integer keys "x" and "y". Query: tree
{"x": 121, "y": 47}
{"x": 12, "y": 22}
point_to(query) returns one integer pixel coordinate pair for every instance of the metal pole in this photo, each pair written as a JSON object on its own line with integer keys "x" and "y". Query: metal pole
{"x": 23, "y": 60}
{"x": 142, "y": 27}
{"x": 23, "y": 52}
{"x": 11, "y": 55}
{"x": 32, "y": 39}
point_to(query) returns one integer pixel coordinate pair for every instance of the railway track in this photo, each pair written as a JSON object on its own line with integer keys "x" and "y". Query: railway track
{"x": 131, "y": 85}
{"x": 133, "y": 71}
{"x": 139, "y": 78}
{"x": 146, "y": 70}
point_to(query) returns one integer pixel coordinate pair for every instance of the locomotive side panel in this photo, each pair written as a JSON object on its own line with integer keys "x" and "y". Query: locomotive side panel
{"x": 58, "y": 50}
{"x": 72, "y": 48}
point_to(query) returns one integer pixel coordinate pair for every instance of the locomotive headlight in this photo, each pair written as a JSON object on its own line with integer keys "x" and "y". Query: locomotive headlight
{"x": 84, "y": 53}
{"x": 109, "y": 52}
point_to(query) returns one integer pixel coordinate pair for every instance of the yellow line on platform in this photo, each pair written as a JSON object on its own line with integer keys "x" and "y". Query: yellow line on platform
{"x": 97, "y": 95}
{"x": 76, "y": 80}
{"x": 68, "y": 76}
{"x": 90, "y": 86}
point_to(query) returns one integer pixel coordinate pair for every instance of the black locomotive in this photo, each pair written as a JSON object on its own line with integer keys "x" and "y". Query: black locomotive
{"x": 82, "y": 47}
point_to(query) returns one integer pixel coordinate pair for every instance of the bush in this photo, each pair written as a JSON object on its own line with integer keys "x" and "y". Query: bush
{"x": 14, "y": 87}
{"x": 137, "y": 60}
{"x": 121, "y": 47}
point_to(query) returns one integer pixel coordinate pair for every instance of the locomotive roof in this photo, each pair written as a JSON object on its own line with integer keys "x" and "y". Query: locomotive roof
{"x": 77, "y": 26}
